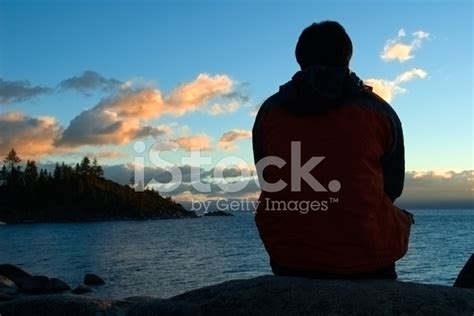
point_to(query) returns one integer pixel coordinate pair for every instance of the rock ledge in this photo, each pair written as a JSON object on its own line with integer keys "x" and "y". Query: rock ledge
{"x": 267, "y": 295}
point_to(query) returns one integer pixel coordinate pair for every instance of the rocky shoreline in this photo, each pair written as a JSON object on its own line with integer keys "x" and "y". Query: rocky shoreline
{"x": 266, "y": 295}
{"x": 16, "y": 283}
{"x": 172, "y": 211}
{"x": 23, "y": 294}
{"x": 98, "y": 219}
{"x": 218, "y": 213}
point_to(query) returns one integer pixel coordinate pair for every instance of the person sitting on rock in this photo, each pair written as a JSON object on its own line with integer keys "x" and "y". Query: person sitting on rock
{"x": 329, "y": 153}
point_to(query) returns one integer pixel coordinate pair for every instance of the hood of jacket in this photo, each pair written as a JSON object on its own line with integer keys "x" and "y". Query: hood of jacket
{"x": 318, "y": 88}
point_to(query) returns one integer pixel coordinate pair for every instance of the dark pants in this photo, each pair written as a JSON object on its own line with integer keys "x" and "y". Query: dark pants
{"x": 384, "y": 273}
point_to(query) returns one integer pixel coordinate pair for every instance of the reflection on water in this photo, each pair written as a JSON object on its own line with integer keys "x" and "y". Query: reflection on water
{"x": 168, "y": 257}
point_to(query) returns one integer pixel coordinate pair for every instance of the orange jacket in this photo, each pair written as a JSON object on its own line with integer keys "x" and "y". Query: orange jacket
{"x": 349, "y": 225}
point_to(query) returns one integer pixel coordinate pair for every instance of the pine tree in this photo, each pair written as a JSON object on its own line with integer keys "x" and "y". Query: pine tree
{"x": 67, "y": 172}
{"x": 31, "y": 172}
{"x": 85, "y": 166}
{"x": 57, "y": 174}
{"x": 3, "y": 175}
{"x": 11, "y": 160}
{"x": 97, "y": 169}
{"x": 43, "y": 176}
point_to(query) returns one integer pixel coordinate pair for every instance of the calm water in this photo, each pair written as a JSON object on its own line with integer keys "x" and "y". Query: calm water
{"x": 168, "y": 257}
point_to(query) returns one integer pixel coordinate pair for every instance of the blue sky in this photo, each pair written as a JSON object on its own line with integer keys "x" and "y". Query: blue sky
{"x": 162, "y": 44}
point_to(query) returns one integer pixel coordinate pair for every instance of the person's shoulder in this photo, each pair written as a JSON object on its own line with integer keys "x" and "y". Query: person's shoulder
{"x": 372, "y": 100}
{"x": 271, "y": 102}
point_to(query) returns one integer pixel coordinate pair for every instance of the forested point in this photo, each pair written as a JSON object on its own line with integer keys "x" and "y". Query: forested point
{"x": 79, "y": 193}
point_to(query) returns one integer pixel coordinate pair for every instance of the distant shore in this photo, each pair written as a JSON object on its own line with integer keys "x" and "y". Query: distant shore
{"x": 184, "y": 215}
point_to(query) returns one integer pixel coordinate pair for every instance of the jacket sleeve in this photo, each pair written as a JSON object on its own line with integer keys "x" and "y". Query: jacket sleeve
{"x": 257, "y": 138}
{"x": 393, "y": 161}
{"x": 257, "y": 130}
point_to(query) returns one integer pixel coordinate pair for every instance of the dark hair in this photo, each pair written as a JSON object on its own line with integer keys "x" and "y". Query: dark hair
{"x": 325, "y": 43}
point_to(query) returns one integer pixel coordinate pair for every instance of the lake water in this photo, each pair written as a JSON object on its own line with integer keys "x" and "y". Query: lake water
{"x": 167, "y": 257}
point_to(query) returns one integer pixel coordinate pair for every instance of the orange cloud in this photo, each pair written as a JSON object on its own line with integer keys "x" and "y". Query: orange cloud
{"x": 141, "y": 104}
{"x": 31, "y": 137}
{"x": 120, "y": 118}
{"x": 116, "y": 120}
{"x": 227, "y": 139}
{"x": 201, "y": 142}
{"x": 188, "y": 97}
{"x": 123, "y": 117}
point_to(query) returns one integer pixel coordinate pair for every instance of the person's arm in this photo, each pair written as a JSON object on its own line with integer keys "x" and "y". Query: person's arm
{"x": 257, "y": 138}
{"x": 393, "y": 161}
{"x": 257, "y": 131}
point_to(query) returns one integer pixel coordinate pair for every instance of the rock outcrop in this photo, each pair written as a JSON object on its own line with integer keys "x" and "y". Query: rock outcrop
{"x": 15, "y": 275}
{"x": 267, "y": 295}
{"x": 92, "y": 279}
{"x": 57, "y": 285}
{"x": 82, "y": 289}
{"x": 218, "y": 213}
{"x": 15, "y": 281}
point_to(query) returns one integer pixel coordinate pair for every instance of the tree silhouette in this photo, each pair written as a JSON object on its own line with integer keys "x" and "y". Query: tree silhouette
{"x": 43, "y": 177}
{"x": 57, "y": 173}
{"x": 97, "y": 169}
{"x": 74, "y": 194}
{"x": 85, "y": 166}
{"x": 3, "y": 175}
{"x": 12, "y": 159}
{"x": 31, "y": 172}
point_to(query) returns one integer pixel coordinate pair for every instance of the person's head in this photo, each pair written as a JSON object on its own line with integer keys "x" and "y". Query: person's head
{"x": 325, "y": 43}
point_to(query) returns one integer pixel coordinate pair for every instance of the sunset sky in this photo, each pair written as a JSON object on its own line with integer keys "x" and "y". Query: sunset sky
{"x": 94, "y": 77}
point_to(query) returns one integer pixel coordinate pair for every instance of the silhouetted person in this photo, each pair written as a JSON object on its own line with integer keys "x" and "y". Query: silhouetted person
{"x": 335, "y": 217}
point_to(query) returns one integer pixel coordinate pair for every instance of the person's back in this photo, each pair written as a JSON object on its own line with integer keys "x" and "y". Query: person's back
{"x": 338, "y": 147}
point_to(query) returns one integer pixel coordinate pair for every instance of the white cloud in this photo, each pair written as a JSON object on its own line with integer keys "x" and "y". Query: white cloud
{"x": 421, "y": 35}
{"x": 387, "y": 89}
{"x": 395, "y": 49}
{"x": 410, "y": 74}
{"x": 384, "y": 88}
{"x": 218, "y": 108}
{"x": 439, "y": 188}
